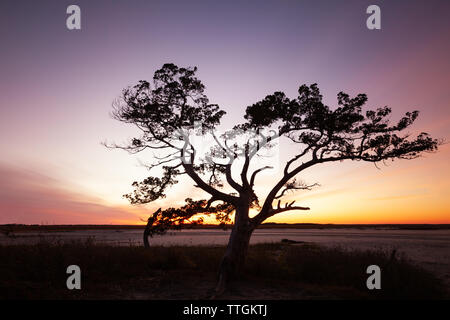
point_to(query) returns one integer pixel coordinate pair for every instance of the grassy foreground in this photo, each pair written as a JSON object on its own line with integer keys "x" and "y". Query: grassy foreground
{"x": 273, "y": 271}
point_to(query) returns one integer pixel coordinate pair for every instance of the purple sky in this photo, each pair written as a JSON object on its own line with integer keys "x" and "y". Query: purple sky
{"x": 57, "y": 87}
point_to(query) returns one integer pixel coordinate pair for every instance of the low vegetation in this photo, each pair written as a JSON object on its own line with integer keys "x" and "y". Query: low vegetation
{"x": 272, "y": 271}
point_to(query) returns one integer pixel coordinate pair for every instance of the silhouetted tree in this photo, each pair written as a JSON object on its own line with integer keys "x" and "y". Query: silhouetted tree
{"x": 174, "y": 110}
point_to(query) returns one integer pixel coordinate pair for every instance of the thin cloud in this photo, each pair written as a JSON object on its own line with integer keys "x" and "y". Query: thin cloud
{"x": 27, "y": 196}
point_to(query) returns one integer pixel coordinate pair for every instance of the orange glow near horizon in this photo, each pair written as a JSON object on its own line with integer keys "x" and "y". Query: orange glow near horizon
{"x": 402, "y": 192}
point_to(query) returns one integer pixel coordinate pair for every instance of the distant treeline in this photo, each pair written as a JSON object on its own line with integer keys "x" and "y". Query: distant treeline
{"x": 8, "y": 228}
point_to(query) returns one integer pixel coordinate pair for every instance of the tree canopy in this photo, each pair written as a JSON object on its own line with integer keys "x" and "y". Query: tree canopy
{"x": 173, "y": 108}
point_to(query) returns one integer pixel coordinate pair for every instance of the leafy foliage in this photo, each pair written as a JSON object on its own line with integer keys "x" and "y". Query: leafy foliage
{"x": 176, "y": 100}
{"x": 345, "y": 132}
{"x": 161, "y": 220}
{"x": 152, "y": 188}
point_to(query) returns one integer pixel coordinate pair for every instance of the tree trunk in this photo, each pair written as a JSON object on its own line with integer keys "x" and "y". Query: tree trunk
{"x": 148, "y": 227}
{"x": 146, "y": 235}
{"x": 235, "y": 254}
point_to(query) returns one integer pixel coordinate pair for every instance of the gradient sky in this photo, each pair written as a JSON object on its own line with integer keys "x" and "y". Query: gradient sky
{"x": 57, "y": 87}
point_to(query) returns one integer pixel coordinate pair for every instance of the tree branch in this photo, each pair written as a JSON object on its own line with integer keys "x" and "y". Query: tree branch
{"x": 252, "y": 179}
